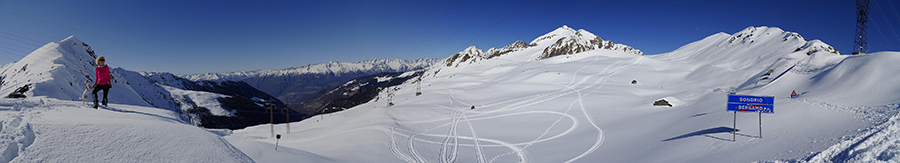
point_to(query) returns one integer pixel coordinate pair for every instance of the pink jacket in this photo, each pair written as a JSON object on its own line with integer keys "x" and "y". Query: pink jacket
{"x": 102, "y": 75}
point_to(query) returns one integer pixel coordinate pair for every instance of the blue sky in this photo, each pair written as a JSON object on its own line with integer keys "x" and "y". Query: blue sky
{"x": 185, "y": 37}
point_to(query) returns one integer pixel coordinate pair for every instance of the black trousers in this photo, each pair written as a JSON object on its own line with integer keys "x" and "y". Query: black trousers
{"x": 105, "y": 89}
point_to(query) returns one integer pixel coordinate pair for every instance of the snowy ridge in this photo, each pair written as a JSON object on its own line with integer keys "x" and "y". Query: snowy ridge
{"x": 59, "y": 70}
{"x": 43, "y": 129}
{"x": 562, "y": 41}
{"x": 334, "y": 67}
{"x": 584, "y": 108}
{"x": 725, "y": 48}
{"x": 47, "y": 122}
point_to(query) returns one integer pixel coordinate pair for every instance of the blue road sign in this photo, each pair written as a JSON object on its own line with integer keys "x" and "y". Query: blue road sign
{"x": 747, "y": 103}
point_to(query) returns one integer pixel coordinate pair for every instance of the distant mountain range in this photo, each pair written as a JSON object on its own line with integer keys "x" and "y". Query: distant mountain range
{"x": 294, "y": 83}
{"x": 354, "y": 92}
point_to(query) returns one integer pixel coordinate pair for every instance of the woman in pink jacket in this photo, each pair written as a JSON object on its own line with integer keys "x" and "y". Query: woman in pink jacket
{"x": 102, "y": 82}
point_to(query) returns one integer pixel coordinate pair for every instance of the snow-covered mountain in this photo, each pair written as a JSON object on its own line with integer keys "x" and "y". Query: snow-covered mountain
{"x": 562, "y": 41}
{"x": 293, "y": 83}
{"x": 595, "y": 105}
{"x": 59, "y": 71}
{"x": 211, "y": 104}
{"x": 42, "y": 119}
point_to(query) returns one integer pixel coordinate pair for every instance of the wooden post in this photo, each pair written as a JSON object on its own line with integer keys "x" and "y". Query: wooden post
{"x": 272, "y": 120}
{"x": 287, "y": 117}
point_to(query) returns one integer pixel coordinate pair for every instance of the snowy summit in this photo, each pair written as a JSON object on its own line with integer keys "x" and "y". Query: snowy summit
{"x": 562, "y": 41}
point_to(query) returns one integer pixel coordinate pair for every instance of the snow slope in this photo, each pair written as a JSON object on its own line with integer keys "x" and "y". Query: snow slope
{"x": 207, "y": 100}
{"x": 582, "y": 107}
{"x": 50, "y": 123}
{"x": 51, "y": 130}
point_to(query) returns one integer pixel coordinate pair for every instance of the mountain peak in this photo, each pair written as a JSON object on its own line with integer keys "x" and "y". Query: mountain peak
{"x": 474, "y": 51}
{"x": 70, "y": 39}
{"x": 561, "y": 41}
{"x": 761, "y": 30}
{"x": 565, "y": 28}
{"x": 565, "y": 40}
{"x": 564, "y": 31}
{"x": 56, "y": 70}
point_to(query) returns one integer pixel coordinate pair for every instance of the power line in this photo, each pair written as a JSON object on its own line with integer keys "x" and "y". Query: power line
{"x": 113, "y": 64}
{"x": 894, "y": 9}
{"x": 460, "y": 29}
{"x": 432, "y": 27}
{"x": 579, "y": 7}
{"x": 498, "y": 23}
{"x": 38, "y": 42}
{"x": 16, "y": 45}
{"x": 98, "y": 36}
{"x": 29, "y": 39}
{"x": 44, "y": 60}
{"x": 882, "y": 35}
{"x": 889, "y": 24}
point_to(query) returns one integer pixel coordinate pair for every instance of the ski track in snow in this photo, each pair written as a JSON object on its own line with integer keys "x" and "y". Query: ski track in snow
{"x": 600, "y": 134}
{"x": 450, "y": 144}
{"x": 411, "y": 147}
{"x": 451, "y": 140}
{"x": 396, "y": 150}
{"x": 478, "y": 151}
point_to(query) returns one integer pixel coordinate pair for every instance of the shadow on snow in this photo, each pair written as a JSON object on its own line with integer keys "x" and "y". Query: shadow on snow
{"x": 709, "y": 131}
{"x": 142, "y": 113}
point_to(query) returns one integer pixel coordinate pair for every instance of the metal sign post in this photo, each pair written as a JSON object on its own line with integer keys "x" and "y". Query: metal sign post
{"x": 748, "y": 103}
{"x": 277, "y": 137}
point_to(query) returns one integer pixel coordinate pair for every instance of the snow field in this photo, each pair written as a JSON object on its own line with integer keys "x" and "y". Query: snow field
{"x": 51, "y": 130}
{"x": 457, "y": 129}
{"x": 583, "y": 108}
{"x": 208, "y": 100}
